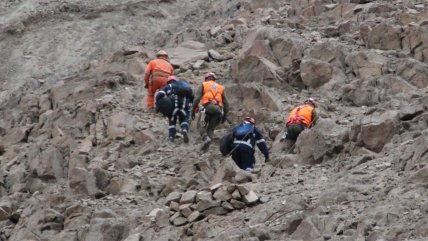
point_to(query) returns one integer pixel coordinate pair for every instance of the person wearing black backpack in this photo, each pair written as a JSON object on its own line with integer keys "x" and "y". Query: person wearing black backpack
{"x": 245, "y": 136}
{"x": 179, "y": 105}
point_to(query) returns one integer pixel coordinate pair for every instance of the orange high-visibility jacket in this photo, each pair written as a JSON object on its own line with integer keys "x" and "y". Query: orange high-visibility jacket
{"x": 301, "y": 115}
{"x": 158, "y": 68}
{"x": 212, "y": 93}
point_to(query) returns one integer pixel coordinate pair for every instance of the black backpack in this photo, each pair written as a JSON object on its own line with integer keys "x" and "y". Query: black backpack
{"x": 181, "y": 88}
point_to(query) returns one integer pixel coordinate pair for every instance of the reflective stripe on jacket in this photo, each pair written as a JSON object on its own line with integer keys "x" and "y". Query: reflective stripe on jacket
{"x": 212, "y": 93}
{"x": 301, "y": 115}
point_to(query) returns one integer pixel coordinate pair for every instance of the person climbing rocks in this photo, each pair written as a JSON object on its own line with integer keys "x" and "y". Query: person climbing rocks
{"x": 156, "y": 76}
{"x": 245, "y": 136}
{"x": 181, "y": 96}
{"x": 210, "y": 100}
{"x": 300, "y": 118}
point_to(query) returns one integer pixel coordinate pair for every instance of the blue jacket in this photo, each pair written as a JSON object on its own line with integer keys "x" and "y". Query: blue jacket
{"x": 256, "y": 138}
{"x": 168, "y": 90}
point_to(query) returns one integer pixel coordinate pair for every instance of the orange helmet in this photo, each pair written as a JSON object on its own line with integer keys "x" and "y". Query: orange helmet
{"x": 251, "y": 120}
{"x": 211, "y": 76}
{"x": 311, "y": 101}
{"x": 171, "y": 78}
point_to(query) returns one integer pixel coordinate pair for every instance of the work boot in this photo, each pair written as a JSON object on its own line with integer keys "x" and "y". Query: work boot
{"x": 206, "y": 143}
{"x": 185, "y": 137}
{"x": 171, "y": 139}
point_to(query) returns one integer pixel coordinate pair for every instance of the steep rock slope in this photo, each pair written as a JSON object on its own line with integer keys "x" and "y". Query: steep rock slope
{"x": 81, "y": 161}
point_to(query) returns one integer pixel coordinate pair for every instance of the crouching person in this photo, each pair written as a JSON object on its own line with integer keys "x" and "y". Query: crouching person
{"x": 245, "y": 137}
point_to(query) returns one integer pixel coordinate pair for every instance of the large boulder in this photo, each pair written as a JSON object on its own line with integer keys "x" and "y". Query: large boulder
{"x": 375, "y": 130}
{"x": 321, "y": 142}
{"x": 286, "y": 49}
{"x": 256, "y": 61}
{"x": 369, "y": 91}
{"x": 82, "y": 182}
{"x": 415, "y": 41}
{"x": 328, "y": 51}
{"x": 413, "y": 71}
{"x": 48, "y": 164}
{"x": 187, "y": 53}
{"x": 382, "y": 36}
{"x": 315, "y": 73}
{"x": 367, "y": 63}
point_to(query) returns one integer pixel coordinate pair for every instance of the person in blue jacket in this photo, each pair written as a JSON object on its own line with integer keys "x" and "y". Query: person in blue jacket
{"x": 245, "y": 137}
{"x": 182, "y": 97}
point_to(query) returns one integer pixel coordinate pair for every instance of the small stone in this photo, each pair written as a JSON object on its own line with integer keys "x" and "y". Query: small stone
{"x": 236, "y": 195}
{"x": 195, "y": 216}
{"x": 203, "y": 195}
{"x": 174, "y": 216}
{"x": 215, "y": 211}
{"x": 250, "y": 198}
{"x": 174, "y": 206}
{"x": 206, "y": 204}
{"x": 243, "y": 190}
{"x": 237, "y": 204}
{"x": 222, "y": 194}
{"x": 227, "y": 206}
{"x": 180, "y": 221}
{"x": 188, "y": 197}
{"x": 215, "y": 187}
{"x": 172, "y": 197}
{"x": 231, "y": 188}
{"x": 186, "y": 210}
{"x": 215, "y": 55}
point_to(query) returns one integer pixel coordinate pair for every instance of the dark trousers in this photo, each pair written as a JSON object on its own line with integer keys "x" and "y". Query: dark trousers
{"x": 183, "y": 117}
{"x": 243, "y": 156}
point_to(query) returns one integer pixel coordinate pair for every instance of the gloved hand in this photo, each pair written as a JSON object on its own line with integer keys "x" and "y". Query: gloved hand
{"x": 146, "y": 86}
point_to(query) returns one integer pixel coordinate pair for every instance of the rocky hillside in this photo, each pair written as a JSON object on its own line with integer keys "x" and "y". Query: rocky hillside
{"x": 80, "y": 160}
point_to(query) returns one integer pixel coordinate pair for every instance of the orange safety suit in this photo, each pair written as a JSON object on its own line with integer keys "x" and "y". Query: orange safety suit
{"x": 301, "y": 115}
{"x": 212, "y": 93}
{"x": 155, "y": 77}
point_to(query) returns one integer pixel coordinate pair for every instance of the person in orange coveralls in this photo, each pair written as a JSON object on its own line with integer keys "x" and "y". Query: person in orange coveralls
{"x": 156, "y": 76}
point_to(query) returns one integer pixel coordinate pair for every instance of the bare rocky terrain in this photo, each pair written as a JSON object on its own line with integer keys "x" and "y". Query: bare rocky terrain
{"x": 80, "y": 160}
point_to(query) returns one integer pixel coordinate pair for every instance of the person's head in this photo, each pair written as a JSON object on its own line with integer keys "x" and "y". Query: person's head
{"x": 162, "y": 54}
{"x": 171, "y": 78}
{"x": 250, "y": 120}
{"x": 210, "y": 76}
{"x": 311, "y": 101}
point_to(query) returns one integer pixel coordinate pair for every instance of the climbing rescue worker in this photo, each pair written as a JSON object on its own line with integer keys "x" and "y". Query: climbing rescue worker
{"x": 211, "y": 100}
{"x": 300, "y": 118}
{"x": 181, "y": 95}
{"x": 245, "y": 136}
{"x": 156, "y": 76}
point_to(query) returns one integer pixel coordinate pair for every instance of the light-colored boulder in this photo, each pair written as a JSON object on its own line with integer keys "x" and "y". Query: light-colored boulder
{"x": 367, "y": 63}
{"x": 324, "y": 140}
{"x": 382, "y": 36}
{"x": 414, "y": 72}
{"x": 187, "y": 53}
{"x": 315, "y": 73}
{"x": 369, "y": 131}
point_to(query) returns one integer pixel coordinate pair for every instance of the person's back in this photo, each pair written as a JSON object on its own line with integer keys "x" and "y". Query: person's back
{"x": 156, "y": 76}
{"x": 181, "y": 95}
{"x": 213, "y": 102}
{"x": 300, "y": 118}
{"x": 245, "y": 137}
